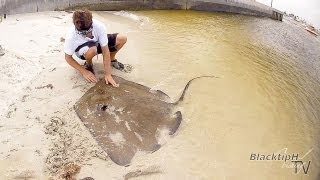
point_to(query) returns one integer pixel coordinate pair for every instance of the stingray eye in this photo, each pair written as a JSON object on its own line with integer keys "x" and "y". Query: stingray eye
{"x": 104, "y": 107}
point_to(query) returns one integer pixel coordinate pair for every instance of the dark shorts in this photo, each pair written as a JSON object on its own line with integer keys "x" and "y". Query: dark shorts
{"x": 111, "y": 45}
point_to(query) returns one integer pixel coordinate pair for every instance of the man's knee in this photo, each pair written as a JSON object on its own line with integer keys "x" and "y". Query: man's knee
{"x": 121, "y": 39}
{"x": 91, "y": 53}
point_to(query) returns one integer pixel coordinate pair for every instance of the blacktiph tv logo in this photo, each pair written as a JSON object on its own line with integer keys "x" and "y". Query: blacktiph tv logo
{"x": 295, "y": 161}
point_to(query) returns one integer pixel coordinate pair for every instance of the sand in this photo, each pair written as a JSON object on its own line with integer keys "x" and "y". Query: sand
{"x": 40, "y": 133}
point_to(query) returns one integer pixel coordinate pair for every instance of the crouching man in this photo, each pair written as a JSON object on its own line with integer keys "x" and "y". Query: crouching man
{"x": 87, "y": 38}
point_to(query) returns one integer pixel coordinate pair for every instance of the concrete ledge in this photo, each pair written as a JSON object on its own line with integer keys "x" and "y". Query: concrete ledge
{"x": 215, "y": 7}
{"x": 247, "y": 7}
{"x": 107, "y": 5}
{"x": 165, "y": 4}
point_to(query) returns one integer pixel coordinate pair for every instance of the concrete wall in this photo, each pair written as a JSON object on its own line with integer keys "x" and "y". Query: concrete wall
{"x": 249, "y": 7}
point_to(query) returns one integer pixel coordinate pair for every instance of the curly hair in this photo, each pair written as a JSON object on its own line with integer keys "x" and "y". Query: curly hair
{"x": 82, "y": 15}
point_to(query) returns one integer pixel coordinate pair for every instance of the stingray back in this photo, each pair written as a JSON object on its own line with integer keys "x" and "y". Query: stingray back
{"x": 126, "y": 119}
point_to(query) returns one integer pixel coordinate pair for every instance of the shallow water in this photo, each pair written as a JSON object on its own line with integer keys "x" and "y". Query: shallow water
{"x": 265, "y": 100}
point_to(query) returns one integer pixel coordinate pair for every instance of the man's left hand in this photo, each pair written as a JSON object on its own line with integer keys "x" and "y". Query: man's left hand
{"x": 110, "y": 80}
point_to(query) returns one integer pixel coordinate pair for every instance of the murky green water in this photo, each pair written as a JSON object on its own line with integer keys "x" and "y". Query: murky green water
{"x": 266, "y": 99}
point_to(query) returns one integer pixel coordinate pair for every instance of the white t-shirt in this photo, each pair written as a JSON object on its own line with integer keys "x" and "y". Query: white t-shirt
{"x": 73, "y": 39}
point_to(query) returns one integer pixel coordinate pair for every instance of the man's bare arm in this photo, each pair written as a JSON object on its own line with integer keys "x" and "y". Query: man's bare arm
{"x": 74, "y": 63}
{"x": 87, "y": 74}
{"x": 107, "y": 66}
{"x": 106, "y": 60}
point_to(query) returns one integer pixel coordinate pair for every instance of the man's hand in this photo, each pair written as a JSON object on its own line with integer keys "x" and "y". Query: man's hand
{"x": 89, "y": 76}
{"x": 110, "y": 80}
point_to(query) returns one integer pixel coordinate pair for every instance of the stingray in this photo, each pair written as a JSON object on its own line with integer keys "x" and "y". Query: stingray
{"x": 129, "y": 118}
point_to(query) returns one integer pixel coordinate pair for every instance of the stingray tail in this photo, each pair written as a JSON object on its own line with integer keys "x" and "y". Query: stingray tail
{"x": 187, "y": 86}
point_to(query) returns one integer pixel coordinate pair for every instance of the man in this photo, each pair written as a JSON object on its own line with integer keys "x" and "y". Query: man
{"x": 88, "y": 38}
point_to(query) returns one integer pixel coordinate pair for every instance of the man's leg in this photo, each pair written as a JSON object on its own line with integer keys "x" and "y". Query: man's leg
{"x": 120, "y": 41}
{"x": 92, "y": 51}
